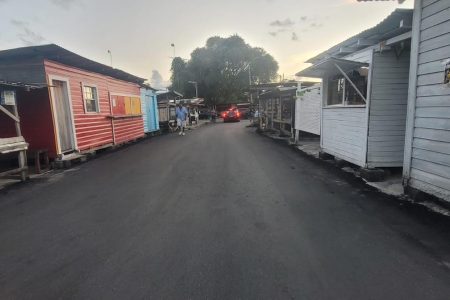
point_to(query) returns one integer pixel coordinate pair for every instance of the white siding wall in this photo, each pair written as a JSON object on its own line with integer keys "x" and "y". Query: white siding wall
{"x": 387, "y": 115}
{"x": 307, "y": 109}
{"x": 428, "y": 152}
{"x": 344, "y": 133}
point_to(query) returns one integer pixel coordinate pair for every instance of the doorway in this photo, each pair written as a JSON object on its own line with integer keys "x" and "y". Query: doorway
{"x": 63, "y": 112}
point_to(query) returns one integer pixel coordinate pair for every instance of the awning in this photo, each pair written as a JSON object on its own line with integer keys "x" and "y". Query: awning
{"x": 330, "y": 67}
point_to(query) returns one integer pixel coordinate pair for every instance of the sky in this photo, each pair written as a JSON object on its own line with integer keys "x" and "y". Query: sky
{"x": 139, "y": 33}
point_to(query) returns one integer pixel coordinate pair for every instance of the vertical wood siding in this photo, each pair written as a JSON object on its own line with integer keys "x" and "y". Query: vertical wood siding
{"x": 343, "y": 133}
{"x": 387, "y": 115}
{"x": 307, "y": 110}
{"x": 95, "y": 130}
{"x": 430, "y": 153}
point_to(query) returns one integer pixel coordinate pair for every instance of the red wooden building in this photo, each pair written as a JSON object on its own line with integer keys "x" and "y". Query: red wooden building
{"x": 82, "y": 105}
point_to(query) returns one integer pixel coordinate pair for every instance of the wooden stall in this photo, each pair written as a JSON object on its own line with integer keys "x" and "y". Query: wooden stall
{"x": 365, "y": 84}
{"x": 166, "y": 109}
{"x": 87, "y": 105}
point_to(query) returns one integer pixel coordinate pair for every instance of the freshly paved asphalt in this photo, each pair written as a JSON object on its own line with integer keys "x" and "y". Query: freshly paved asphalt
{"x": 221, "y": 213}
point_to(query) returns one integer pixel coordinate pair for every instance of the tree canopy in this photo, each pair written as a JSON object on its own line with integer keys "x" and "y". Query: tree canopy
{"x": 223, "y": 69}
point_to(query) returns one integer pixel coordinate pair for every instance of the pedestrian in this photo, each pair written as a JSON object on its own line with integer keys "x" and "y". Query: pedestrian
{"x": 213, "y": 115}
{"x": 182, "y": 115}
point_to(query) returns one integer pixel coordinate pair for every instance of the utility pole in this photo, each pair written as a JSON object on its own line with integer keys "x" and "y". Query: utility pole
{"x": 250, "y": 82}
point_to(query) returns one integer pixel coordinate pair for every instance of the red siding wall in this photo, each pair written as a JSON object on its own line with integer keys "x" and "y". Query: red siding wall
{"x": 36, "y": 120}
{"x": 94, "y": 130}
{"x": 128, "y": 129}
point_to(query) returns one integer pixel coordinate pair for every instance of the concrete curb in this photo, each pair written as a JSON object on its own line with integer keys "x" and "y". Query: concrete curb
{"x": 354, "y": 176}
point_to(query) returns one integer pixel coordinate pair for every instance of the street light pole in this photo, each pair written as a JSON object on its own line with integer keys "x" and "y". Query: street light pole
{"x": 173, "y": 46}
{"x": 110, "y": 57}
{"x": 250, "y": 82}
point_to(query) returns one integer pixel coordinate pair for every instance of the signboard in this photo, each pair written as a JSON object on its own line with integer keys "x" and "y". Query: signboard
{"x": 8, "y": 98}
{"x": 447, "y": 73}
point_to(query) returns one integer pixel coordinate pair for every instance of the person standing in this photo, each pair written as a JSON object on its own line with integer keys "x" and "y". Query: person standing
{"x": 182, "y": 115}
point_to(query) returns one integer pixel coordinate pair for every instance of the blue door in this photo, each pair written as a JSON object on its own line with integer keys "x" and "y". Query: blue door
{"x": 152, "y": 113}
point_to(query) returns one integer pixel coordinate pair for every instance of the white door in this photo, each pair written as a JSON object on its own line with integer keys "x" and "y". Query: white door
{"x": 63, "y": 116}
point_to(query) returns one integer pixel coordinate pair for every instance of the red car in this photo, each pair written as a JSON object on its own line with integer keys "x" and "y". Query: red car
{"x": 231, "y": 115}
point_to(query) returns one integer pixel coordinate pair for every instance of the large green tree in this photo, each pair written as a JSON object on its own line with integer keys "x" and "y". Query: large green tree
{"x": 223, "y": 69}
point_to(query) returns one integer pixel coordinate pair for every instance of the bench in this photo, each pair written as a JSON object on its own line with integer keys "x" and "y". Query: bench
{"x": 15, "y": 144}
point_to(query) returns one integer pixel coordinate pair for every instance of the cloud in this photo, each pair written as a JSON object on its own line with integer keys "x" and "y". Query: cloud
{"x": 66, "y": 4}
{"x": 303, "y": 18}
{"x": 274, "y": 34}
{"x": 26, "y": 35}
{"x": 315, "y": 25}
{"x": 294, "y": 37}
{"x": 157, "y": 80}
{"x": 283, "y": 23}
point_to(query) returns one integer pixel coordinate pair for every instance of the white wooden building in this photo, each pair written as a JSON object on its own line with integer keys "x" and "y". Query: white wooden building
{"x": 365, "y": 91}
{"x": 307, "y": 109}
{"x": 427, "y": 147}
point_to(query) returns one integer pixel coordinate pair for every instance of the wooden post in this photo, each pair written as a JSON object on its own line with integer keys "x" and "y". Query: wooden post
{"x": 271, "y": 112}
{"x": 22, "y": 154}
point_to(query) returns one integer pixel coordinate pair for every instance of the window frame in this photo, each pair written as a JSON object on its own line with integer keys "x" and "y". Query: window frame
{"x": 97, "y": 100}
{"x": 130, "y": 96}
{"x": 346, "y": 85}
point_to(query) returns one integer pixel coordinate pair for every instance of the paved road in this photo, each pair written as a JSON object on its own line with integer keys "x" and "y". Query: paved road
{"x": 221, "y": 213}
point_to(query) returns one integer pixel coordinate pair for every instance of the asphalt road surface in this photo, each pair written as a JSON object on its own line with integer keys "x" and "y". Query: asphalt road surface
{"x": 222, "y": 213}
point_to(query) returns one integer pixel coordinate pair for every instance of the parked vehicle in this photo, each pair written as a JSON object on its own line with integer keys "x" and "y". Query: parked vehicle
{"x": 232, "y": 115}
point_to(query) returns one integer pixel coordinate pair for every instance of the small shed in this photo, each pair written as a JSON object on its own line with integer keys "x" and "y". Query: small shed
{"x": 149, "y": 108}
{"x": 166, "y": 108}
{"x": 277, "y": 105}
{"x": 86, "y": 105}
{"x": 427, "y": 148}
{"x": 365, "y": 91}
{"x": 307, "y": 109}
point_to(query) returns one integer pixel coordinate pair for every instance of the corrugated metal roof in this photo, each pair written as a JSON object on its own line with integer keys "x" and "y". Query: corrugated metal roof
{"x": 279, "y": 91}
{"x": 148, "y": 87}
{"x": 58, "y": 54}
{"x": 398, "y": 22}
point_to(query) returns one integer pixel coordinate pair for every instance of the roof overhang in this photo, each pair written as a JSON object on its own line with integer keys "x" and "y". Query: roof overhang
{"x": 329, "y": 67}
{"x": 55, "y": 53}
{"x": 396, "y": 24}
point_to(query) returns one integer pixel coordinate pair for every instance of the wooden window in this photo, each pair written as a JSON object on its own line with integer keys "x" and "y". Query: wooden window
{"x": 135, "y": 106}
{"x": 126, "y": 105}
{"x": 90, "y": 98}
